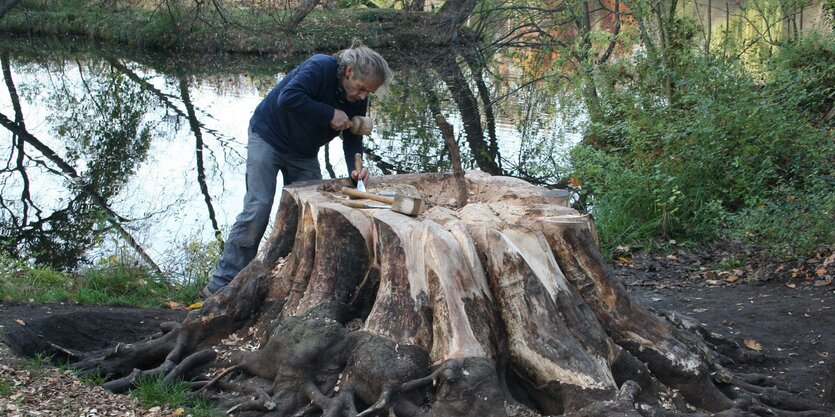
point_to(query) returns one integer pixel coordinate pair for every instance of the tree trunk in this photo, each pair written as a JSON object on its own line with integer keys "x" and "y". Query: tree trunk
{"x": 501, "y": 307}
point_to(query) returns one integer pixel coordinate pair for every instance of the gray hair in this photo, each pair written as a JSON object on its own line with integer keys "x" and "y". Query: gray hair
{"x": 367, "y": 65}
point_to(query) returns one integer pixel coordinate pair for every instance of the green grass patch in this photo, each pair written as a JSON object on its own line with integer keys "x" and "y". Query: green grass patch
{"x": 5, "y": 387}
{"x": 38, "y": 364}
{"x": 154, "y": 391}
{"x": 112, "y": 282}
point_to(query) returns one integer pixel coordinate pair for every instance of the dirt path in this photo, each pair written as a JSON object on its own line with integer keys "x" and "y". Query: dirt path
{"x": 783, "y": 310}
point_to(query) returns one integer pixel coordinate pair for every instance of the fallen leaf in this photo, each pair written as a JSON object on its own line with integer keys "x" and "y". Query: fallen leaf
{"x": 820, "y": 272}
{"x": 829, "y": 260}
{"x": 823, "y": 282}
{"x": 172, "y": 305}
{"x": 195, "y": 305}
{"x": 20, "y": 322}
{"x": 732, "y": 278}
{"x": 791, "y": 285}
{"x": 710, "y": 275}
{"x": 177, "y": 412}
{"x": 624, "y": 260}
{"x": 753, "y": 345}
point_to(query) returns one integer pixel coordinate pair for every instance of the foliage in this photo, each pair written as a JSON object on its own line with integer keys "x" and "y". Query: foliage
{"x": 725, "y": 150}
{"x": 805, "y": 74}
{"x": 154, "y": 391}
{"x": 193, "y": 263}
{"x": 197, "y": 27}
{"x": 114, "y": 281}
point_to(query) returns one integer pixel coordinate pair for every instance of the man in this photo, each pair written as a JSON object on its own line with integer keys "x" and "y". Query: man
{"x": 310, "y": 106}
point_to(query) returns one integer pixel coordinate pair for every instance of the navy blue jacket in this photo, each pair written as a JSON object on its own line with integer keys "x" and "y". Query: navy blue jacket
{"x": 295, "y": 116}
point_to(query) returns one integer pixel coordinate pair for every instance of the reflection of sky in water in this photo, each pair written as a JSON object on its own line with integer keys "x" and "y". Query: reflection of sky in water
{"x": 164, "y": 195}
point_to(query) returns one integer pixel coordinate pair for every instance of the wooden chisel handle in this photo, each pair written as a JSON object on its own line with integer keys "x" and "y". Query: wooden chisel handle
{"x": 354, "y": 193}
{"x": 353, "y": 203}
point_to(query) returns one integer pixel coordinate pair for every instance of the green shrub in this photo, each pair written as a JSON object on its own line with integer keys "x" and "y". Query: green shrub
{"x": 725, "y": 149}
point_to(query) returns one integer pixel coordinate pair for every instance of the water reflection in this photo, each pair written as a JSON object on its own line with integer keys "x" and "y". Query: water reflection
{"x": 150, "y": 151}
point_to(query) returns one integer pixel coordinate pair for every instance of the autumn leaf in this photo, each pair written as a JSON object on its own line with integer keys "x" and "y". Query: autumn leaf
{"x": 753, "y": 345}
{"x": 829, "y": 260}
{"x": 575, "y": 182}
{"x": 820, "y": 272}
{"x": 732, "y": 278}
{"x": 624, "y": 260}
{"x": 172, "y": 305}
{"x": 20, "y": 322}
{"x": 791, "y": 285}
{"x": 177, "y": 412}
{"x": 823, "y": 282}
{"x": 195, "y": 306}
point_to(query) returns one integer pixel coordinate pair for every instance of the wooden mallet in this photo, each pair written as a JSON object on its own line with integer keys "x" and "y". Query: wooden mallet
{"x": 361, "y": 125}
{"x": 404, "y": 204}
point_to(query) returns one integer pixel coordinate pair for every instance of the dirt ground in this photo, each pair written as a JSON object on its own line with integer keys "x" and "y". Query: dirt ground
{"x": 782, "y": 309}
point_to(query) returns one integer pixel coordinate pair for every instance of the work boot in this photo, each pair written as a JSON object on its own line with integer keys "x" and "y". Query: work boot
{"x": 204, "y": 292}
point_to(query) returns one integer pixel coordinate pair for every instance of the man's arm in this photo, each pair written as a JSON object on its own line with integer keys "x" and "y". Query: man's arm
{"x": 299, "y": 92}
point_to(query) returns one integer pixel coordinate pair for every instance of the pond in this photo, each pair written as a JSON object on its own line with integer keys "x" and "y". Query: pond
{"x": 152, "y": 148}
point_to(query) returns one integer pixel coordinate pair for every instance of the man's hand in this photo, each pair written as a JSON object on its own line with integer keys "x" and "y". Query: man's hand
{"x": 340, "y": 120}
{"x": 362, "y": 175}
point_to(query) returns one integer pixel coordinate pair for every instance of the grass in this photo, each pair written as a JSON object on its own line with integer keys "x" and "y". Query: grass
{"x": 154, "y": 391}
{"x": 38, "y": 364}
{"x": 5, "y": 387}
{"x": 114, "y": 283}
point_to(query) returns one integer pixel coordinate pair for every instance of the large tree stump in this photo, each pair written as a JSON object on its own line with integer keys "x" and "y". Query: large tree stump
{"x": 502, "y": 307}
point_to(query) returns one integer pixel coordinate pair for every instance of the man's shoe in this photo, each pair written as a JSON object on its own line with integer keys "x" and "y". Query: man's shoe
{"x": 204, "y": 292}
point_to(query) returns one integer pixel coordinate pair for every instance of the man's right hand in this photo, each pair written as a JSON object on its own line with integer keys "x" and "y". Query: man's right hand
{"x": 340, "y": 120}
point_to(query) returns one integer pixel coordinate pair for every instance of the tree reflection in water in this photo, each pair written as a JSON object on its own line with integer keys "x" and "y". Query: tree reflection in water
{"x": 121, "y": 124}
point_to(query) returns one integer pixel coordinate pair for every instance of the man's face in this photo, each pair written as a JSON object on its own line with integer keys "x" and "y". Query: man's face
{"x": 357, "y": 89}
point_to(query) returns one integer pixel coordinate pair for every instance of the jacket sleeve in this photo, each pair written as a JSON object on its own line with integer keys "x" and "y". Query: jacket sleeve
{"x": 298, "y": 95}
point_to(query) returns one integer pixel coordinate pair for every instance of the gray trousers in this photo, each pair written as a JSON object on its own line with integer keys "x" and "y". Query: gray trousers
{"x": 263, "y": 162}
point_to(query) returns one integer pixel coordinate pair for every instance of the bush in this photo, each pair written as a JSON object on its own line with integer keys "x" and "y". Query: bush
{"x": 724, "y": 150}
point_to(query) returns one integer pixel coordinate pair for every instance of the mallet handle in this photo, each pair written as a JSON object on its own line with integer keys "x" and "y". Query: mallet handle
{"x": 354, "y": 193}
{"x": 358, "y": 162}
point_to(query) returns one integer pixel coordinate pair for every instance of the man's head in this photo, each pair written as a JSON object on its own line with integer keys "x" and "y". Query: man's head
{"x": 362, "y": 71}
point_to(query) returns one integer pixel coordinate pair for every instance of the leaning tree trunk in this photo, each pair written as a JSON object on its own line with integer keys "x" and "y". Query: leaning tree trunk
{"x": 501, "y": 307}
